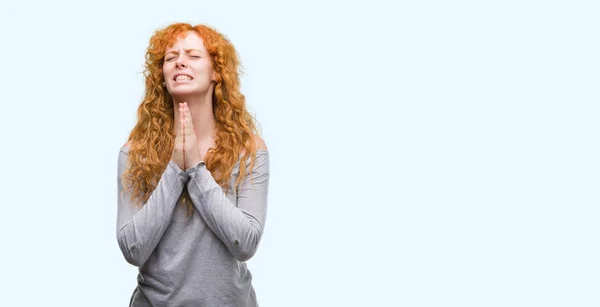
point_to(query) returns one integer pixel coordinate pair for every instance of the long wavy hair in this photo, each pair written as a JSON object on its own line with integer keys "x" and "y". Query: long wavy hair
{"x": 152, "y": 139}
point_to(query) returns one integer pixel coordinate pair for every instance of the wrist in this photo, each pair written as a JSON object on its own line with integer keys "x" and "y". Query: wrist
{"x": 193, "y": 163}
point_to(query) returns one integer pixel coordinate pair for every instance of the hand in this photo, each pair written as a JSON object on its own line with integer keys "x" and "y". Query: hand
{"x": 192, "y": 155}
{"x": 178, "y": 149}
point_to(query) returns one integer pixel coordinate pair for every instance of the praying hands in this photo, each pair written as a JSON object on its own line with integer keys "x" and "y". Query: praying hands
{"x": 186, "y": 152}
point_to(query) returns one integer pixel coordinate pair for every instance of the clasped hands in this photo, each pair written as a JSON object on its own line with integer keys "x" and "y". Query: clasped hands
{"x": 186, "y": 152}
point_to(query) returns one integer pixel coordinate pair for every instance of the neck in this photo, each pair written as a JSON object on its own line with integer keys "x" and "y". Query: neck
{"x": 203, "y": 118}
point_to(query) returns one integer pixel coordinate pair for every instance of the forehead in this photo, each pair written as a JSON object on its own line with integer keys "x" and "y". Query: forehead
{"x": 190, "y": 40}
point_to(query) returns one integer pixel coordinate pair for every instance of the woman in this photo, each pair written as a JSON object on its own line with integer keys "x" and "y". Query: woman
{"x": 193, "y": 177}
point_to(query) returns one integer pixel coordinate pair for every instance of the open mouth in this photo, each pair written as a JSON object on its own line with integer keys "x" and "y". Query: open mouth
{"x": 182, "y": 77}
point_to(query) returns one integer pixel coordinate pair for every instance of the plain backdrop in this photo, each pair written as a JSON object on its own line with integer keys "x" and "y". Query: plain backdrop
{"x": 423, "y": 153}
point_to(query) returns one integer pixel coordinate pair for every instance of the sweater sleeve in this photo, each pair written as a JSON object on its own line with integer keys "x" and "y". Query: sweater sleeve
{"x": 139, "y": 229}
{"x": 239, "y": 225}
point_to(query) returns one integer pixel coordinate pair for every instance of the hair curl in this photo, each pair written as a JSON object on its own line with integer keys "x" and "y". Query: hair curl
{"x": 152, "y": 139}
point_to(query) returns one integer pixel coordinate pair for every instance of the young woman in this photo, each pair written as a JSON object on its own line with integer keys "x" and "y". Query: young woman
{"x": 193, "y": 177}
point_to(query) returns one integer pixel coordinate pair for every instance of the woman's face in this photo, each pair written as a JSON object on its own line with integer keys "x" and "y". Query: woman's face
{"x": 187, "y": 67}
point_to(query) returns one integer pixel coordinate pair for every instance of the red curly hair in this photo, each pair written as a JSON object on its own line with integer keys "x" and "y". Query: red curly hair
{"x": 152, "y": 139}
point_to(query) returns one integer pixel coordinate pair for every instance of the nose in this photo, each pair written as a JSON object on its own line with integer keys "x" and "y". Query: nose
{"x": 180, "y": 62}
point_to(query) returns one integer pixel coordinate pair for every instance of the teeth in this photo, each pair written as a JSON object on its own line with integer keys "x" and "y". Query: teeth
{"x": 183, "y": 77}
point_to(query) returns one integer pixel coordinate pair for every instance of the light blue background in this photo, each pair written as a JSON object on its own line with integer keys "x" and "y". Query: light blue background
{"x": 423, "y": 153}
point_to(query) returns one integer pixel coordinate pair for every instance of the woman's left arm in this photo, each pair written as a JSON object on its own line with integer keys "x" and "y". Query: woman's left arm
{"x": 240, "y": 225}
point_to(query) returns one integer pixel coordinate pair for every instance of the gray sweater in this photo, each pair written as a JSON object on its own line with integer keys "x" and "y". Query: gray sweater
{"x": 199, "y": 261}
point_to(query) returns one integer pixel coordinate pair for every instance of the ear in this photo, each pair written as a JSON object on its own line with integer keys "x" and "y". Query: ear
{"x": 214, "y": 76}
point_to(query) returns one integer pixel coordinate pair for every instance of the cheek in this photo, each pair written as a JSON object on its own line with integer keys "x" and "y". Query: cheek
{"x": 205, "y": 75}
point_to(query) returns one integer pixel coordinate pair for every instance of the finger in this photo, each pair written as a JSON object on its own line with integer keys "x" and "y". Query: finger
{"x": 187, "y": 125}
{"x": 188, "y": 120}
{"x": 180, "y": 115}
{"x": 182, "y": 125}
{"x": 188, "y": 115}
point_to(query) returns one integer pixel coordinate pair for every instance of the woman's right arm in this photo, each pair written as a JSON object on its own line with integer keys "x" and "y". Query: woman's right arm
{"x": 140, "y": 229}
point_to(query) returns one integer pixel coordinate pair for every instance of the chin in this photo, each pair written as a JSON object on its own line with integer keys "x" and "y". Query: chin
{"x": 191, "y": 88}
{"x": 187, "y": 92}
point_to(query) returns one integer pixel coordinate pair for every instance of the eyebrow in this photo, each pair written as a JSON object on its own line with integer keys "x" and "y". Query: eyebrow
{"x": 186, "y": 51}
